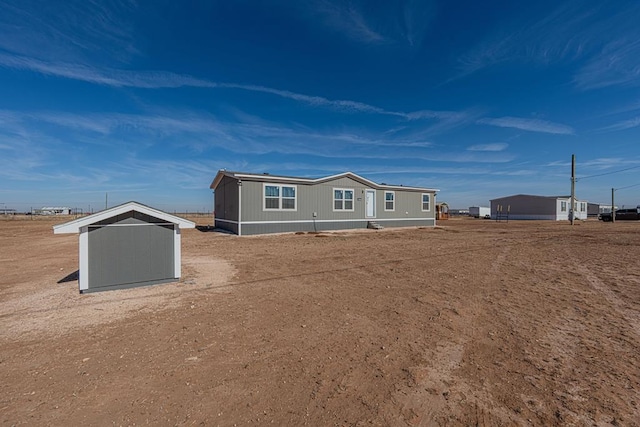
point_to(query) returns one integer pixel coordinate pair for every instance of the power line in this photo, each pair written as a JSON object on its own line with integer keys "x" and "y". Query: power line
{"x": 608, "y": 173}
{"x": 628, "y": 186}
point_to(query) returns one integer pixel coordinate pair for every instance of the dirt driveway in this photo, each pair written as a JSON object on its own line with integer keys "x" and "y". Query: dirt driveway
{"x": 471, "y": 323}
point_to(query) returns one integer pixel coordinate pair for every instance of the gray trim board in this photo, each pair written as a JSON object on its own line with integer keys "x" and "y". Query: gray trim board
{"x": 128, "y": 285}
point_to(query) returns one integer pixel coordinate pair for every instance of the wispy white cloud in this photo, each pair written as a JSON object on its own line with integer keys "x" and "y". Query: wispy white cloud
{"x": 343, "y": 105}
{"x": 81, "y": 29}
{"x": 601, "y": 40}
{"x": 399, "y": 24}
{"x": 348, "y": 18}
{"x": 623, "y": 125}
{"x": 557, "y": 36}
{"x": 498, "y": 146}
{"x": 417, "y": 15}
{"x": 105, "y": 77}
{"x": 609, "y": 162}
{"x": 531, "y": 125}
{"x": 618, "y": 64}
{"x": 161, "y": 79}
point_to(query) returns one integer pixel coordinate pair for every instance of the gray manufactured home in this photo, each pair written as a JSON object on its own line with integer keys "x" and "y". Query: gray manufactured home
{"x": 126, "y": 246}
{"x": 525, "y": 206}
{"x": 247, "y": 204}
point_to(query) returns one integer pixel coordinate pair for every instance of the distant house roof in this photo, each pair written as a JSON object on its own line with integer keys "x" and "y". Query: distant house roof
{"x": 75, "y": 225}
{"x": 291, "y": 179}
{"x": 532, "y": 195}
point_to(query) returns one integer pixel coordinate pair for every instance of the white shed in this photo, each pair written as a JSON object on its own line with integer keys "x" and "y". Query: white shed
{"x": 127, "y": 246}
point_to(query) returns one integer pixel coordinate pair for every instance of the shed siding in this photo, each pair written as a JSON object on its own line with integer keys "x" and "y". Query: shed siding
{"x": 130, "y": 253}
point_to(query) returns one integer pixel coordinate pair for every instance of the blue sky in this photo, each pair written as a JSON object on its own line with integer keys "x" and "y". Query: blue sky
{"x": 147, "y": 100}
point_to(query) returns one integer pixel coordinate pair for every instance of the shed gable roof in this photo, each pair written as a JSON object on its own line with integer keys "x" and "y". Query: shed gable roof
{"x": 310, "y": 181}
{"x": 75, "y": 225}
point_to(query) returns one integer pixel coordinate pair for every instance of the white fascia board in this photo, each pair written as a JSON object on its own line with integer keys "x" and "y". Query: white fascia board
{"x": 275, "y": 178}
{"x": 75, "y": 225}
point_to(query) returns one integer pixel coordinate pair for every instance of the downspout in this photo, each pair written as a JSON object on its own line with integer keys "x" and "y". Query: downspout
{"x": 239, "y": 207}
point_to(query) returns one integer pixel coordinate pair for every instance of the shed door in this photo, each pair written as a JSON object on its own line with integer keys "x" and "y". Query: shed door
{"x": 130, "y": 254}
{"x": 370, "y": 199}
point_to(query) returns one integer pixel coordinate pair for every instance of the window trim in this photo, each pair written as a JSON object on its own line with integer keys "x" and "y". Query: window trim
{"x": 393, "y": 209}
{"x": 353, "y": 199}
{"x": 563, "y": 206}
{"x": 280, "y": 197}
{"x": 428, "y": 202}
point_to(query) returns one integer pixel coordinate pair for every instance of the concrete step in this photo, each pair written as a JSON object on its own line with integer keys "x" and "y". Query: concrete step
{"x": 374, "y": 225}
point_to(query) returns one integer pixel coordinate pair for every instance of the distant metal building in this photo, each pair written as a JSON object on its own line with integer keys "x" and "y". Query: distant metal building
{"x": 247, "y": 203}
{"x": 525, "y": 206}
{"x": 127, "y": 246}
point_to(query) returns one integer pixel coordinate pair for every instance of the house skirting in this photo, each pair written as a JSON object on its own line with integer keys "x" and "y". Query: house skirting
{"x": 249, "y": 228}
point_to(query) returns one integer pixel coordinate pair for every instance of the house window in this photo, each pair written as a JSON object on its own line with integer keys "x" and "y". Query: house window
{"x": 426, "y": 202}
{"x": 563, "y": 206}
{"x": 389, "y": 201}
{"x": 271, "y": 197}
{"x": 583, "y": 207}
{"x": 279, "y": 197}
{"x": 342, "y": 199}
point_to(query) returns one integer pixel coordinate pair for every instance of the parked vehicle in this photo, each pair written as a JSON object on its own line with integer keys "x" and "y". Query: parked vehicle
{"x": 632, "y": 214}
{"x": 479, "y": 212}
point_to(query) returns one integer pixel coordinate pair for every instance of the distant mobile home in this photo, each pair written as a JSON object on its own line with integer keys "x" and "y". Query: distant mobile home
{"x": 248, "y": 203}
{"x": 54, "y": 210}
{"x": 525, "y": 206}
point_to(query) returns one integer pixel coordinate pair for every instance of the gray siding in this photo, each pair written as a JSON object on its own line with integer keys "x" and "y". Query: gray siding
{"x": 317, "y": 226}
{"x": 308, "y": 226}
{"x": 523, "y": 205}
{"x": 315, "y": 209}
{"x": 310, "y": 198}
{"x": 408, "y": 204}
{"x": 227, "y": 226}
{"x": 131, "y": 252}
{"x": 226, "y": 199}
{"x": 319, "y": 199}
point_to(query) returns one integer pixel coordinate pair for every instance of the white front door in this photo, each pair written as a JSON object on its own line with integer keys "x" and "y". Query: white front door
{"x": 370, "y": 200}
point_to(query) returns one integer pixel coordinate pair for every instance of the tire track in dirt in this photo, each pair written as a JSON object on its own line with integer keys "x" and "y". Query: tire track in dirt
{"x": 574, "y": 359}
{"x": 436, "y": 391}
{"x": 631, "y": 316}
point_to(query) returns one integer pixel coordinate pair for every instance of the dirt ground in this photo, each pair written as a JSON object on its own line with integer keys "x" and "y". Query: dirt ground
{"x": 470, "y": 323}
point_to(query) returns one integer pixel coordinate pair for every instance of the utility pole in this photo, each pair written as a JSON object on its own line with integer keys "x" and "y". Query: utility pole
{"x": 573, "y": 188}
{"x": 613, "y": 209}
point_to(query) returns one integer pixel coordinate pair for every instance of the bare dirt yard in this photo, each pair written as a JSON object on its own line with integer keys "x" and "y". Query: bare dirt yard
{"x": 470, "y": 323}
